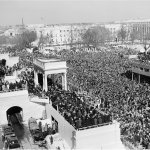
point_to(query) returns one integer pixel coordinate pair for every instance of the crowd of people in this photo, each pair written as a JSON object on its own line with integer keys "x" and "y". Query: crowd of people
{"x": 101, "y": 76}
{"x": 6, "y": 86}
{"x": 76, "y": 110}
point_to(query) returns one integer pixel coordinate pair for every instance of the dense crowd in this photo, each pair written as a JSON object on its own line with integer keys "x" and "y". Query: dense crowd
{"x": 6, "y": 86}
{"x": 76, "y": 110}
{"x": 101, "y": 76}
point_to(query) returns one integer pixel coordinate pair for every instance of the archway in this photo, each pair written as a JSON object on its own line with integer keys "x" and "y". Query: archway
{"x": 15, "y": 110}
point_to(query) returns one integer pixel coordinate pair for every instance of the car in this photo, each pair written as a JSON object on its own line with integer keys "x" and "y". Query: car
{"x": 12, "y": 142}
{"x": 37, "y": 135}
{"x": 9, "y": 137}
{"x": 7, "y": 130}
{"x": 34, "y": 130}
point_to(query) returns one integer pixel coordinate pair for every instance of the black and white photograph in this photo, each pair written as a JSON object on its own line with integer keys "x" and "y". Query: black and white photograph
{"x": 75, "y": 74}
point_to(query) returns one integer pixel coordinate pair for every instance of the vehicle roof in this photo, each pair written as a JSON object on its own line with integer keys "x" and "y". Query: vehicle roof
{"x": 6, "y": 127}
{"x": 9, "y": 133}
{"x": 7, "y": 130}
{"x": 11, "y": 138}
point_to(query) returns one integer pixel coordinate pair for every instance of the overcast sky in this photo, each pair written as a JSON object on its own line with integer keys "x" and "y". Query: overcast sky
{"x": 71, "y": 11}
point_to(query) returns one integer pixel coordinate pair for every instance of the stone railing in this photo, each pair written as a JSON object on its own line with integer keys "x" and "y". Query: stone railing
{"x": 37, "y": 99}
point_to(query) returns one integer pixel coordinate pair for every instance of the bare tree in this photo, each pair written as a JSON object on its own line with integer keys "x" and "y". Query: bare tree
{"x": 25, "y": 39}
{"x": 42, "y": 40}
{"x": 122, "y": 33}
{"x": 96, "y": 36}
{"x": 134, "y": 35}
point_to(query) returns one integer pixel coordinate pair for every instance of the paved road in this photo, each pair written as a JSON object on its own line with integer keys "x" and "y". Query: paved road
{"x": 24, "y": 137}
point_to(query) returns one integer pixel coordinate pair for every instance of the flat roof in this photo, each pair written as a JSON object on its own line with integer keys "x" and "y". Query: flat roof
{"x": 141, "y": 64}
{"x": 45, "y": 60}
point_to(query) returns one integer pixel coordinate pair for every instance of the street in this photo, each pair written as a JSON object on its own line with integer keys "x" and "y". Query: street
{"x": 24, "y": 137}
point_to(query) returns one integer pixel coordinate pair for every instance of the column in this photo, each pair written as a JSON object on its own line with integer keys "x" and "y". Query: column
{"x": 35, "y": 78}
{"x": 64, "y": 81}
{"x": 62, "y": 76}
{"x": 139, "y": 78}
{"x": 43, "y": 81}
{"x": 132, "y": 76}
{"x": 46, "y": 82}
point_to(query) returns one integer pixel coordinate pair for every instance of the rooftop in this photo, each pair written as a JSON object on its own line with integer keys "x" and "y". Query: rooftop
{"x": 45, "y": 60}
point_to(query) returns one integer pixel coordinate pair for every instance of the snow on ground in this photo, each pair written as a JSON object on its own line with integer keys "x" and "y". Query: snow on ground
{"x": 58, "y": 142}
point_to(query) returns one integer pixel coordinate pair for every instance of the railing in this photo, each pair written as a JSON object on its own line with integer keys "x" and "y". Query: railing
{"x": 13, "y": 90}
{"x": 95, "y": 126}
{"x": 31, "y": 95}
{"x": 88, "y": 127}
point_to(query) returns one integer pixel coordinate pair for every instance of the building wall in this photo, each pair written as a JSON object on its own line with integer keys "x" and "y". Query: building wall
{"x": 19, "y": 98}
{"x": 64, "y": 128}
{"x": 99, "y": 138}
{"x": 95, "y": 138}
{"x": 10, "y": 61}
{"x": 142, "y": 27}
{"x": 57, "y": 35}
{"x": 114, "y": 29}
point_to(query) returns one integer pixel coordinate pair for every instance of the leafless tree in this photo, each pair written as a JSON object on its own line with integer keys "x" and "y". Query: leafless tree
{"x": 122, "y": 34}
{"x": 96, "y": 36}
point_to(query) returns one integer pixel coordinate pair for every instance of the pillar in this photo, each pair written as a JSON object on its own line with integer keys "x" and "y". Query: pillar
{"x": 35, "y": 78}
{"x": 139, "y": 78}
{"x": 64, "y": 81}
{"x": 46, "y": 82}
{"x": 132, "y": 76}
{"x": 43, "y": 81}
{"x": 65, "y": 78}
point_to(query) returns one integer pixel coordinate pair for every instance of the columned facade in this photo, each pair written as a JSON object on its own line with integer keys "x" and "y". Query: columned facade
{"x": 50, "y": 67}
{"x": 140, "y": 69}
